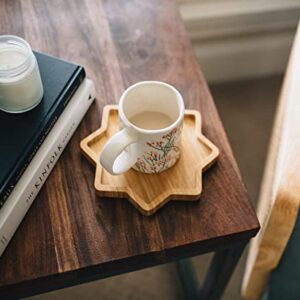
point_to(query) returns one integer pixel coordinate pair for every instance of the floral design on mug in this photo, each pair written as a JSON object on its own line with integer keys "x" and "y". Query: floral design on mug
{"x": 161, "y": 154}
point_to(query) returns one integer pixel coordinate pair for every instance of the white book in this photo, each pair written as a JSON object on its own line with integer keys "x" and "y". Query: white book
{"x": 35, "y": 175}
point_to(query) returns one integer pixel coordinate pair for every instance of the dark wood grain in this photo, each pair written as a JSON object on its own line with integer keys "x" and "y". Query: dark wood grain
{"x": 70, "y": 235}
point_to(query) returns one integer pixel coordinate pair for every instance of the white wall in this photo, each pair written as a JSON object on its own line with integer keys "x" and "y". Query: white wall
{"x": 238, "y": 39}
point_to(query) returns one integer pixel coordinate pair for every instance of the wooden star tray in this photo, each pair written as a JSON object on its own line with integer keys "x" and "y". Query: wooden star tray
{"x": 149, "y": 192}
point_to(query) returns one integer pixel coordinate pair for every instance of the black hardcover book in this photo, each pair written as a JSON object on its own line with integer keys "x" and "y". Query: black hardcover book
{"x": 22, "y": 134}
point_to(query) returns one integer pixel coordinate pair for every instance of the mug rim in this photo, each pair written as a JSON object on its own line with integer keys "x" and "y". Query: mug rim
{"x": 152, "y": 131}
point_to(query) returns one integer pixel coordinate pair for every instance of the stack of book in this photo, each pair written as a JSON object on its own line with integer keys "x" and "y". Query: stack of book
{"x": 32, "y": 142}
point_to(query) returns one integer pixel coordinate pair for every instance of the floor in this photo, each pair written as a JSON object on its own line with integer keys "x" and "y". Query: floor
{"x": 251, "y": 105}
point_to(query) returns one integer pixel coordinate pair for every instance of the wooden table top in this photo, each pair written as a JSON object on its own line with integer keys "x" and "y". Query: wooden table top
{"x": 70, "y": 235}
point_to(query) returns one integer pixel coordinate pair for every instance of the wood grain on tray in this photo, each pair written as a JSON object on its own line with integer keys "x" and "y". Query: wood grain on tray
{"x": 149, "y": 192}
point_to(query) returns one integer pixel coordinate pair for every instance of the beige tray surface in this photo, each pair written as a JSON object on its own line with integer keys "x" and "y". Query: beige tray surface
{"x": 149, "y": 192}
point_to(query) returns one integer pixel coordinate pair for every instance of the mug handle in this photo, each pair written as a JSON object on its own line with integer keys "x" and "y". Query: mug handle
{"x": 113, "y": 157}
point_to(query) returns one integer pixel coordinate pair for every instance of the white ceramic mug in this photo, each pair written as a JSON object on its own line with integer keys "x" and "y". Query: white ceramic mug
{"x": 151, "y": 114}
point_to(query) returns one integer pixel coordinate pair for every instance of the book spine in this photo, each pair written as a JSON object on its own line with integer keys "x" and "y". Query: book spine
{"x": 40, "y": 167}
{"x": 24, "y": 161}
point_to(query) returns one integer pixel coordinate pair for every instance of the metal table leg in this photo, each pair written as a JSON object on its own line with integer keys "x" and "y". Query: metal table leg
{"x": 217, "y": 277}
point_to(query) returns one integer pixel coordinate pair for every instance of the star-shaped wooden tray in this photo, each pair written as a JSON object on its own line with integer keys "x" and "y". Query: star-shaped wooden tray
{"x": 149, "y": 192}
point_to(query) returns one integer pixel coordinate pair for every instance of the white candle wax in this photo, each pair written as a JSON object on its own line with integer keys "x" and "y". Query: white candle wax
{"x": 11, "y": 58}
{"x": 20, "y": 83}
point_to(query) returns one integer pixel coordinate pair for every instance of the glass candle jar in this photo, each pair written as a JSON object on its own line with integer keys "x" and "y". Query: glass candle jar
{"x": 21, "y": 86}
